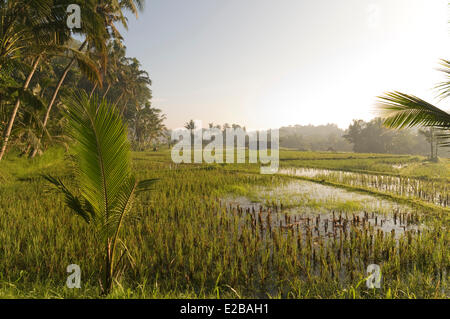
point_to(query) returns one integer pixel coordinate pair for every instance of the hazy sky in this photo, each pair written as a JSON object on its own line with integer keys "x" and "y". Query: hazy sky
{"x": 272, "y": 63}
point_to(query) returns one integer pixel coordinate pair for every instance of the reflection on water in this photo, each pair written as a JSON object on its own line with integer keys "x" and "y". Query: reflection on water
{"x": 436, "y": 192}
{"x": 323, "y": 211}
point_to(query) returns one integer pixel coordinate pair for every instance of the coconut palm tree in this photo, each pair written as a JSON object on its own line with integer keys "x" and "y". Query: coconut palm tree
{"x": 23, "y": 23}
{"x": 25, "y": 33}
{"x": 430, "y": 137}
{"x": 403, "y": 110}
{"x": 37, "y": 32}
{"x": 134, "y": 86}
{"x": 97, "y": 33}
{"x": 95, "y": 38}
{"x": 107, "y": 187}
{"x": 147, "y": 126}
{"x": 116, "y": 59}
{"x": 190, "y": 125}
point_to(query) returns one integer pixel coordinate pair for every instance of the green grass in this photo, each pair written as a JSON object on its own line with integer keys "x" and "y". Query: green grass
{"x": 416, "y": 166}
{"x": 15, "y": 167}
{"x": 183, "y": 242}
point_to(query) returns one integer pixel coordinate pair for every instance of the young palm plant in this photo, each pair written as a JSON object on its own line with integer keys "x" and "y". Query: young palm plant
{"x": 107, "y": 188}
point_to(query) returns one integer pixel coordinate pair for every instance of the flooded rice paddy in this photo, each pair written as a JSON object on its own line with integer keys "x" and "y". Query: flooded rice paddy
{"x": 319, "y": 230}
{"x": 432, "y": 191}
{"x": 323, "y": 211}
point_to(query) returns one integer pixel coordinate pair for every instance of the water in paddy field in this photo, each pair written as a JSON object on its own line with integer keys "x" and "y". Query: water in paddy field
{"x": 436, "y": 192}
{"x": 324, "y": 211}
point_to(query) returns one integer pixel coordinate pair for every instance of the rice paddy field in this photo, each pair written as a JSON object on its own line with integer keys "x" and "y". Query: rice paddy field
{"x": 226, "y": 231}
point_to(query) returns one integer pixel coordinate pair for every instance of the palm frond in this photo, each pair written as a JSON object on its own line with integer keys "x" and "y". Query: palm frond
{"x": 444, "y": 87}
{"x": 88, "y": 67}
{"x": 443, "y": 138}
{"x": 72, "y": 201}
{"x": 122, "y": 206}
{"x": 103, "y": 151}
{"x": 403, "y": 111}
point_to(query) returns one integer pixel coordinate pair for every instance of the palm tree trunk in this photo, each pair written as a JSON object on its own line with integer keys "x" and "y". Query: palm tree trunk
{"x": 7, "y": 133}
{"x": 53, "y": 99}
{"x": 432, "y": 143}
{"x": 107, "y": 90}
{"x": 436, "y": 150}
{"x": 118, "y": 99}
{"x": 93, "y": 89}
{"x": 124, "y": 107}
{"x": 109, "y": 269}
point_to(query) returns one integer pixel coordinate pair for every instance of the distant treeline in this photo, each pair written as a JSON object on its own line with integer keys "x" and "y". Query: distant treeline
{"x": 360, "y": 137}
{"x": 314, "y": 138}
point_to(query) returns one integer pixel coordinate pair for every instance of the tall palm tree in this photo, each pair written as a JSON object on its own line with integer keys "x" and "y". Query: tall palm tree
{"x": 116, "y": 59}
{"x": 147, "y": 125}
{"x": 403, "y": 111}
{"x": 134, "y": 85}
{"x": 190, "y": 125}
{"x": 25, "y": 28}
{"x": 95, "y": 38}
{"x": 24, "y": 33}
{"x": 96, "y": 35}
{"x": 107, "y": 187}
